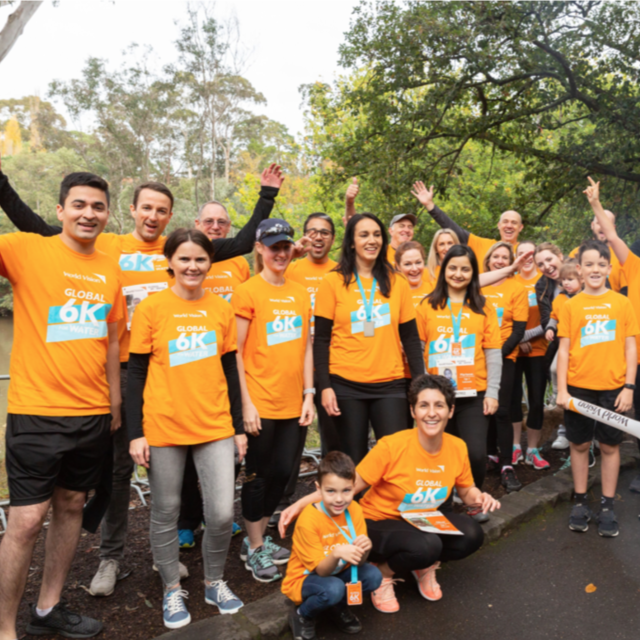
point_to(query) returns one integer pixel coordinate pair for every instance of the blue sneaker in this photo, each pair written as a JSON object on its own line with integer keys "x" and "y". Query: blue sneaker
{"x": 219, "y": 595}
{"x": 174, "y": 611}
{"x": 236, "y": 529}
{"x": 185, "y": 539}
{"x": 279, "y": 555}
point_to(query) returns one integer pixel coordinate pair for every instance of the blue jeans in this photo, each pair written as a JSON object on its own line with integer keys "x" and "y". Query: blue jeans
{"x": 320, "y": 593}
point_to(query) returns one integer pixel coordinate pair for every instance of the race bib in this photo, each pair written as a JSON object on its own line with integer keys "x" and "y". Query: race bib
{"x": 381, "y": 317}
{"x": 190, "y": 347}
{"x": 284, "y": 329}
{"x": 73, "y": 321}
{"x": 135, "y": 294}
{"x": 598, "y": 331}
{"x": 456, "y": 362}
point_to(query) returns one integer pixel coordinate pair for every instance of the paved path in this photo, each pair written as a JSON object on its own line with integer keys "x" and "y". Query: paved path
{"x": 528, "y": 586}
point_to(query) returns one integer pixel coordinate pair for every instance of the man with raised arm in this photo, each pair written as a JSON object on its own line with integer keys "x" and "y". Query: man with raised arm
{"x": 510, "y": 224}
{"x": 144, "y": 272}
{"x": 64, "y": 398}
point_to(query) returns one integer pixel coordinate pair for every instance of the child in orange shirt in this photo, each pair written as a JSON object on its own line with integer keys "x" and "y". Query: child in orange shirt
{"x": 330, "y": 549}
{"x": 597, "y": 361}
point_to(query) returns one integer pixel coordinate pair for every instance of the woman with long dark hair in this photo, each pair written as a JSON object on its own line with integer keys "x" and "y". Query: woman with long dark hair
{"x": 462, "y": 342}
{"x": 364, "y": 319}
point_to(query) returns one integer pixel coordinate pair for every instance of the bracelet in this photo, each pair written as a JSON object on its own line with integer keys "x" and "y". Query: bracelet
{"x": 311, "y": 390}
{"x": 630, "y": 386}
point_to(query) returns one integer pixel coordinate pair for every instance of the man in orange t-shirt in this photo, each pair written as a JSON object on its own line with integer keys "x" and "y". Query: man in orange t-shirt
{"x": 64, "y": 397}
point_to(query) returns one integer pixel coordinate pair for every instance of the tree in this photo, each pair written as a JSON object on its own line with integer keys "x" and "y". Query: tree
{"x": 16, "y": 23}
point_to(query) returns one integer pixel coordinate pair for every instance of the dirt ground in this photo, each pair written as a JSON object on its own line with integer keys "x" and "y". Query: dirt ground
{"x": 134, "y": 610}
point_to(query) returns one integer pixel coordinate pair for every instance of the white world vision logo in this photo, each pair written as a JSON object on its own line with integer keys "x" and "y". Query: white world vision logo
{"x": 204, "y": 313}
{"x": 103, "y": 278}
{"x": 604, "y": 305}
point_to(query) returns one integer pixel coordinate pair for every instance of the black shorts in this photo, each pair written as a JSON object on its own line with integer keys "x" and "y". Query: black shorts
{"x": 581, "y": 429}
{"x": 44, "y": 452}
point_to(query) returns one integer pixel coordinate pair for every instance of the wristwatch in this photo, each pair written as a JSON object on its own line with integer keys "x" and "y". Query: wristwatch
{"x": 630, "y": 386}
{"x": 312, "y": 390}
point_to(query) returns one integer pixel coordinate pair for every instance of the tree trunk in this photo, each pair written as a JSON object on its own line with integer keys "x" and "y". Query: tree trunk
{"x": 16, "y": 24}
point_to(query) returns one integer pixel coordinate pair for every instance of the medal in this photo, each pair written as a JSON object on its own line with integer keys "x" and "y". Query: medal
{"x": 369, "y": 329}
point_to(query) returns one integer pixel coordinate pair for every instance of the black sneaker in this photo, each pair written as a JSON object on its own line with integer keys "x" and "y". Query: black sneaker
{"x": 302, "y": 628}
{"x": 509, "y": 480}
{"x": 580, "y": 517}
{"x": 635, "y": 485}
{"x": 344, "y": 619}
{"x": 64, "y": 622}
{"x": 608, "y": 524}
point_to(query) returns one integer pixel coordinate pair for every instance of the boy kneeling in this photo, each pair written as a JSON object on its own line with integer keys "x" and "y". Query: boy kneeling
{"x": 329, "y": 554}
{"x": 597, "y": 362}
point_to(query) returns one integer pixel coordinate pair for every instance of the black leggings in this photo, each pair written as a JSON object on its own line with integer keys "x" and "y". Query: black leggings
{"x": 500, "y": 425}
{"x": 386, "y": 416}
{"x": 536, "y": 376}
{"x": 405, "y": 548}
{"x": 470, "y": 424}
{"x": 271, "y": 458}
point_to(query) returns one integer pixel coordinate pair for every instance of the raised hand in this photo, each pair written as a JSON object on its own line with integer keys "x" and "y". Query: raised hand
{"x": 301, "y": 247}
{"x": 272, "y": 176}
{"x": 521, "y": 259}
{"x": 424, "y": 195}
{"x": 592, "y": 191}
{"x": 352, "y": 191}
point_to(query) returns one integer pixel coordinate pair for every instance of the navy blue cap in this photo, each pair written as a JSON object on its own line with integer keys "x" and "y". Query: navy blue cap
{"x": 274, "y": 230}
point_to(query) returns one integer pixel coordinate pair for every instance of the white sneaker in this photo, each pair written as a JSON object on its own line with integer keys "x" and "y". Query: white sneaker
{"x": 104, "y": 582}
{"x": 560, "y": 442}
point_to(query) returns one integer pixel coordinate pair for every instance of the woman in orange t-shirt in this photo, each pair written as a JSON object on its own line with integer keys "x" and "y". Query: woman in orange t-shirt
{"x": 275, "y": 363}
{"x": 364, "y": 320}
{"x": 443, "y": 240}
{"x": 183, "y": 393}
{"x": 509, "y": 298}
{"x": 410, "y": 262}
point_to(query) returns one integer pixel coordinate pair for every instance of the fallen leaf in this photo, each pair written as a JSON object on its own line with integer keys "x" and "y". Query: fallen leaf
{"x": 590, "y": 588}
{"x": 130, "y": 608}
{"x": 148, "y": 604}
{"x": 141, "y": 595}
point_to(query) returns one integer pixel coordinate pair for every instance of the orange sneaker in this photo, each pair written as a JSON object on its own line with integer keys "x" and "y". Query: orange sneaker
{"x": 384, "y": 597}
{"x": 427, "y": 583}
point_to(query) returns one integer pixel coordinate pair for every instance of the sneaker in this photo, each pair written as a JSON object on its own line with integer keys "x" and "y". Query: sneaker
{"x": 536, "y": 460}
{"x": 580, "y": 517}
{"x": 218, "y": 594}
{"x": 516, "y": 455}
{"x": 236, "y": 529}
{"x": 344, "y": 619}
{"x": 592, "y": 457}
{"x": 104, "y": 582}
{"x": 278, "y": 554}
{"x": 608, "y": 524}
{"x": 427, "y": 583}
{"x": 186, "y": 539}
{"x": 635, "y": 485}
{"x": 302, "y": 628}
{"x": 509, "y": 480}
{"x": 493, "y": 463}
{"x": 477, "y": 514}
{"x": 66, "y": 623}
{"x": 384, "y": 597}
{"x": 261, "y": 566}
{"x": 561, "y": 441}
{"x": 274, "y": 520}
{"x": 565, "y": 465}
{"x": 184, "y": 572}
{"x": 174, "y": 611}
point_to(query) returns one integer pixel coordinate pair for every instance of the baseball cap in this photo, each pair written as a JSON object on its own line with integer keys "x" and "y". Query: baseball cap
{"x": 402, "y": 216}
{"x": 274, "y": 230}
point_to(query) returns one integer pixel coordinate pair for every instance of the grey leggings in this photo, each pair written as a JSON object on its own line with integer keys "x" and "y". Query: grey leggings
{"x": 214, "y": 464}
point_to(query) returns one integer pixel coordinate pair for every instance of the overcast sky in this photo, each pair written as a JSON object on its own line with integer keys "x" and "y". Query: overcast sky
{"x": 294, "y": 42}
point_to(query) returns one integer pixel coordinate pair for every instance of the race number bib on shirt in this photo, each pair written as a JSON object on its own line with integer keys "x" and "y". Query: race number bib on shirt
{"x": 190, "y": 347}
{"x": 284, "y": 329}
{"x": 78, "y": 320}
{"x": 135, "y": 294}
{"x": 598, "y": 331}
{"x": 381, "y": 317}
{"x": 455, "y": 361}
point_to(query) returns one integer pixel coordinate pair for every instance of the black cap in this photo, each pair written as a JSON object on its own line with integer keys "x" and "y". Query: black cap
{"x": 274, "y": 230}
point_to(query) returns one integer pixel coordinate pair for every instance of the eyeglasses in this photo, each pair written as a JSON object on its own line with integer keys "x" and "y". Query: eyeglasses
{"x": 323, "y": 233}
{"x": 210, "y": 222}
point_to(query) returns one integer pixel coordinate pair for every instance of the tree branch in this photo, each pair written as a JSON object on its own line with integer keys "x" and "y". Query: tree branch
{"x": 15, "y": 25}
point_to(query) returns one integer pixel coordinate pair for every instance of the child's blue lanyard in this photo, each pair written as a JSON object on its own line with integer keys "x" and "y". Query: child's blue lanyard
{"x": 349, "y": 537}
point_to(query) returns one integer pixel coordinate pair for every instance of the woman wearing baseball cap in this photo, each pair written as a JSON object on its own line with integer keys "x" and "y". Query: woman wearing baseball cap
{"x": 275, "y": 364}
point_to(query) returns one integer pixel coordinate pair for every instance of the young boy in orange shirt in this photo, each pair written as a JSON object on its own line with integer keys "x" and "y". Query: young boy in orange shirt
{"x": 330, "y": 550}
{"x": 597, "y": 362}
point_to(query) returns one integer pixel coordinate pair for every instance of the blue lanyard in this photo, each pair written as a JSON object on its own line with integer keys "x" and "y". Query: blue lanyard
{"x": 455, "y": 322}
{"x": 368, "y": 306}
{"x": 349, "y": 537}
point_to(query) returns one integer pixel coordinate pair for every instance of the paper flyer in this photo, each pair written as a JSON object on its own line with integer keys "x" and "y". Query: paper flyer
{"x": 431, "y": 522}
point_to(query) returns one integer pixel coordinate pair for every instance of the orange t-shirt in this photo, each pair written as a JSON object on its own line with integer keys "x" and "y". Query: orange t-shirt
{"x": 558, "y": 302}
{"x": 617, "y": 278}
{"x": 417, "y": 296}
{"x": 186, "y": 398}
{"x": 597, "y": 327}
{"x": 510, "y": 301}
{"x": 631, "y": 270}
{"x": 404, "y": 477}
{"x": 351, "y": 355}
{"x": 391, "y": 255}
{"x": 477, "y": 333}
{"x": 539, "y": 344}
{"x": 309, "y": 275}
{"x": 481, "y": 246}
{"x": 314, "y": 537}
{"x": 225, "y": 276}
{"x": 63, "y": 302}
{"x": 275, "y": 345}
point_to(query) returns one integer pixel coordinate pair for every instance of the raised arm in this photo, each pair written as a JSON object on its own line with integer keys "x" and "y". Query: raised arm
{"x": 226, "y": 248}
{"x": 22, "y": 216}
{"x": 350, "y": 200}
{"x": 425, "y": 197}
{"x": 618, "y": 245}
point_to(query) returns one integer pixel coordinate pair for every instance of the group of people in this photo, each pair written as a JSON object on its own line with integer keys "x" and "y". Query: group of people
{"x": 163, "y": 351}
